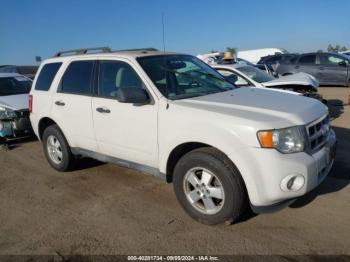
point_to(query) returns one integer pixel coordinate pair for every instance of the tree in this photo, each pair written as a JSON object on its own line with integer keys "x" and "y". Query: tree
{"x": 337, "y": 48}
{"x": 343, "y": 49}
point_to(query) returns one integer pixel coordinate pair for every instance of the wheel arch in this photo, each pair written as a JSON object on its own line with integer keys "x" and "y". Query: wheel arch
{"x": 180, "y": 150}
{"x": 44, "y": 123}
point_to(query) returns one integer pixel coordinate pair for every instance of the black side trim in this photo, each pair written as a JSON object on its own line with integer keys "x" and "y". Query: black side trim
{"x": 272, "y": 208}
{"x": 120, "y": 162}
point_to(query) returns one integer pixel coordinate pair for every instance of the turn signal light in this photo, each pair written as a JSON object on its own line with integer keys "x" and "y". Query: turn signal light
{"x": 266, "y": 139}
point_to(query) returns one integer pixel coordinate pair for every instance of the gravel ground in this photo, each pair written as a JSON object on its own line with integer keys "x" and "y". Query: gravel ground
{"x": 106, "y": 209}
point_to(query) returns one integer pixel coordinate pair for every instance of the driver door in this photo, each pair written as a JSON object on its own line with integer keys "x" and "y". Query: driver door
{"x": 124, "y": 131}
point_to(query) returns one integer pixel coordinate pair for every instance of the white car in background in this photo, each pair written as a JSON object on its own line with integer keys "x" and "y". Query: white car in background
{"x": 14, "y": 105}
{"x": 250, "y": 76}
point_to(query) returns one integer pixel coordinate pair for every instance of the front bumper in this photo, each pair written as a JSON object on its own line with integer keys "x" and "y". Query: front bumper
{"x": 267, "y": 170}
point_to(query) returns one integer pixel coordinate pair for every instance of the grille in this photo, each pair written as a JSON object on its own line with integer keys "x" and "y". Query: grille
{"x": 318, "y": 132}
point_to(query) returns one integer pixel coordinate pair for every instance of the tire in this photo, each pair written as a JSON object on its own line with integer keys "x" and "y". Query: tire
{"x": 56, "y": 149}
{"x": 202, "y": 164}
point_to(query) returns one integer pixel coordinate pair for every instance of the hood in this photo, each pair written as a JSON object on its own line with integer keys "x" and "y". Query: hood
{"x": 295, "y": 79}
{"x": 274, "y": 109}
{"x": 279, "y": 90}
{"x": 15, "y": 102}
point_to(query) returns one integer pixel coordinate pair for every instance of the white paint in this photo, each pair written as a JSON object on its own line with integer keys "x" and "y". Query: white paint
{"x": 228, "y": 121}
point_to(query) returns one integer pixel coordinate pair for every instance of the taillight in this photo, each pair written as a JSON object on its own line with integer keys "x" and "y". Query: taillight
{"x": 30, "y": 103}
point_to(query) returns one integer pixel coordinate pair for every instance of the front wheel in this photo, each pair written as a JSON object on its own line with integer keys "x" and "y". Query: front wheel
{"x": 209, "y": 187}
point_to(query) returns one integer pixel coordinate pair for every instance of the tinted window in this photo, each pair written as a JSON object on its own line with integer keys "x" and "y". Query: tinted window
{"x": 308, "y": 59}
{"x": 332, "y": 60}
{"x": 115, "y": 75}
{"x": 14, "y": 85}
{"x": 292, "y": 60}
{"x": 272, "y": 60}
{"x": 77, "y": 78}
{"x": 46, "y": 76}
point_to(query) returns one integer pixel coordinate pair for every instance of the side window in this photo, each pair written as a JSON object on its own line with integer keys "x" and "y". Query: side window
{"x": 292, "y": 60}
{"x": 77, "y": 78}
{"x": 273, "y": 60}
{"x": 46, "y": 76}
{"x": 332, "y": 60}
{"x": 308, "y": 59}
{"x": 114, "y": 75}
{"x": 233, "y": 78}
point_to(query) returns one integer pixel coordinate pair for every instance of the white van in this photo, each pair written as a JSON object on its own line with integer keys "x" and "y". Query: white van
{"x": 254, "y": 55}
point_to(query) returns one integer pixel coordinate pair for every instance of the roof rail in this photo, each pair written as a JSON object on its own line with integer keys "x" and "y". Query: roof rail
{"x": 138, "y": 49}
{"x": 83, "y": 51}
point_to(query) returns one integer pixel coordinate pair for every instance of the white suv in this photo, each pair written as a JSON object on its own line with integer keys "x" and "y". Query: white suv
{"x": 173, "y": 116}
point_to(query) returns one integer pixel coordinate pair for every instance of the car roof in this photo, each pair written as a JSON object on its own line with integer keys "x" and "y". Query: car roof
{"x": 326, "y": 53}
{"x": 133, "y": 54}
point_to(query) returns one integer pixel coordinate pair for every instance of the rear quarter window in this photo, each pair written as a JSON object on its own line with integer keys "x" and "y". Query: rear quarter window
{"x": 46, "y": 76}
{"x": 308, "y": 59}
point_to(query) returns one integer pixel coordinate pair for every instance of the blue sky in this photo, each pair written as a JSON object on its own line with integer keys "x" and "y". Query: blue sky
{"x": 37, "y": 27}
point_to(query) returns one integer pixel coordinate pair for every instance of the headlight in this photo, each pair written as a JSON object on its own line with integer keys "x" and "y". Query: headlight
{"x": 286, "y": 140}
{"x": 6, "y": 113}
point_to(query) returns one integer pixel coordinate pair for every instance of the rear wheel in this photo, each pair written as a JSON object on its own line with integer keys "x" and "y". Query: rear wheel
{"x": 209, "y": 187}
{"x": 56, "y": 149}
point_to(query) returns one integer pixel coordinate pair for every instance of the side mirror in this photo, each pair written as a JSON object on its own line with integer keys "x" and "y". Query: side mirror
{"x": 132, "y": 95}
{"x": 231, "y": 78}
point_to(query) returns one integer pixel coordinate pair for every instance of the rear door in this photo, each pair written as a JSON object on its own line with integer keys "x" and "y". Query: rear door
{"x": 307, "y": 64}
{"x": 71, "y": 107}
{"x": 333, "y": 69}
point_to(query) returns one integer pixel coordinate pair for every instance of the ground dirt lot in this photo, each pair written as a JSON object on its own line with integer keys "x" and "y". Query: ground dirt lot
{"x": 105, "y": 209}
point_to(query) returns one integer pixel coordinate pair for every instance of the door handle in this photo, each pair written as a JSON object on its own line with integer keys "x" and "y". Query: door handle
{"x": 321, "y": 68}
{"x": 103, "y": 110}
{"x": 297, "y": 67}
{"x": 60, "y": 103}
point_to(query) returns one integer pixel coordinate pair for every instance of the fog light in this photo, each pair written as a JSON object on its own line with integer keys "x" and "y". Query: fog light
{"x": 292, "y": 182}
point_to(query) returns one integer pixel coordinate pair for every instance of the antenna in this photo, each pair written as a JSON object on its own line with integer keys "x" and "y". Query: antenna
{"x": 165, "y": 72}
{"x": 163, "y": 27}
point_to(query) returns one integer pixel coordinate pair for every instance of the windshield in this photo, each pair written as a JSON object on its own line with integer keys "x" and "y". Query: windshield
{"x": 256, "y": 74}
{"x": 14, "y": 85}
{"x": 183, "y": 76}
